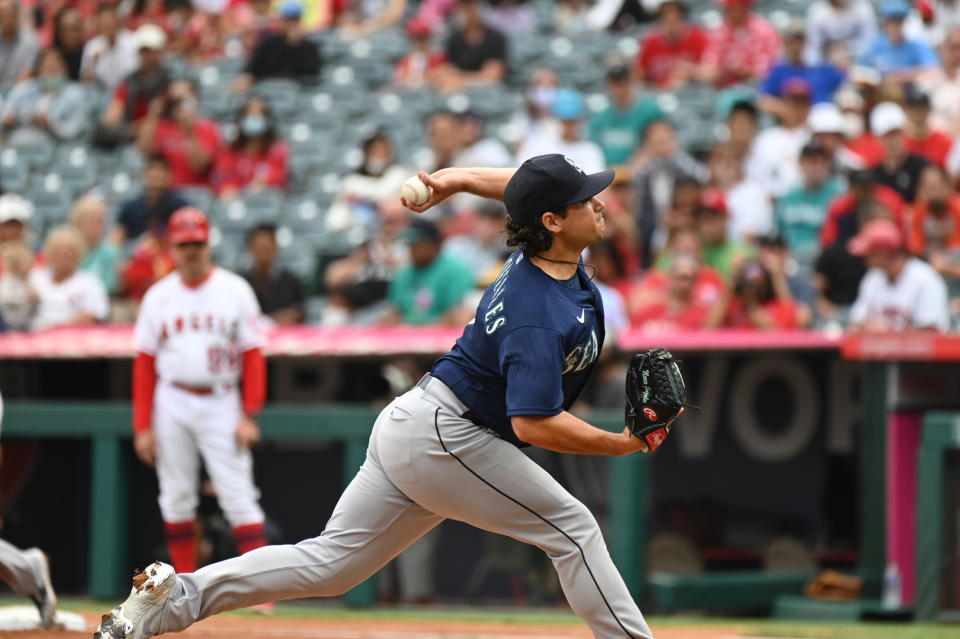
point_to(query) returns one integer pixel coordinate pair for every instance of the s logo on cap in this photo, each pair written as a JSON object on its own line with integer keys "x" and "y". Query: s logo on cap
{"x": 573, "y": 164}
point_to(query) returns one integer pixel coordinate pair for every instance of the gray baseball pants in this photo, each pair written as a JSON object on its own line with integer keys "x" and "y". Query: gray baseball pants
{"x": 425, "y": 462}
{"x": 19, "y": 570}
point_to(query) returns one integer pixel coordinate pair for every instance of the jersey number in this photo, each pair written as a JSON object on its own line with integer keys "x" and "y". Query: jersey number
{"x": 219, "y": 358}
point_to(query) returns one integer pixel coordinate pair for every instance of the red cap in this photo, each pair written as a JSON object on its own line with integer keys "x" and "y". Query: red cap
{"x": 188, "y": 224}
{"x": 714, "y": 199}
{"x": 876, "y": 234}
{"x": 418, "y": 28}
{"x": 735, "y": 3}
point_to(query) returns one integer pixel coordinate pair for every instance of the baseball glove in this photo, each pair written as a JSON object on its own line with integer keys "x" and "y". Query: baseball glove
{"x": 655, "y": 395}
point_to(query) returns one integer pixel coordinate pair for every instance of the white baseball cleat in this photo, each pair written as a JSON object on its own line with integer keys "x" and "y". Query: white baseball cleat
{"x": 45, "y": 598}
{"x": 150, "y": 588}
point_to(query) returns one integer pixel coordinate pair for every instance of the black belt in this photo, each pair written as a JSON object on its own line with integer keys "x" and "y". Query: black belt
{"x": 469, "y": 414}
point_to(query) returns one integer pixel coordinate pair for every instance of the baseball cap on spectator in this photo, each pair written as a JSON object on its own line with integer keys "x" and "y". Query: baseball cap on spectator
{"x": 772, "y": 239}
{"x": 549, "y": 183}
{"x": 811, "y": 149}
{"x": 150, "y": 36}
{"x": 796, "y": 87}
{"x": 876, "y": 235}
{"x": 568, "y": 104}
{"x": 618, "y": 71}
{"x": 714, "y": 200}
{"x": 421, "y": 230}
{"x": 887, "y": 117}
{"x": 418, "y": 28}
{"x": 291, "y": 10}
{"x": 894, "y": 10}
{"x": 913, "y": 96}
{"x": 15, "y": 208}
{"x": 188, "y": 224}
{"x": 826, "y": 117}
{"x": 862, "y": 177}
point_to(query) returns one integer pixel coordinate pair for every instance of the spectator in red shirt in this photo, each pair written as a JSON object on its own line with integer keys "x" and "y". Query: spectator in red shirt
{"x": 674, "y": 300}
{"x": 671, "y": 52}
{"x": 762, "y": 300}
{"x": 257, "y": 158}
{"x": 742, "y": 49}
{"x": 935, "y": 216}
{"x": 132, "y": 99}
{"x": 922, "y": 139}
{"x": 841, "y": 222}
{"x": 416, "y": 68}
{"x": 174, "y": 129}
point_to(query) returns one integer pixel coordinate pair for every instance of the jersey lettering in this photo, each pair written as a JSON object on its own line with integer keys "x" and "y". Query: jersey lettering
{"x": 489, "y": 323}
{"x": 583, "y": 355}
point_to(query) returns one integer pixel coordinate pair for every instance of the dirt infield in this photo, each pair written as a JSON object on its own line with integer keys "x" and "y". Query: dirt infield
{"x": 250, "y": 627}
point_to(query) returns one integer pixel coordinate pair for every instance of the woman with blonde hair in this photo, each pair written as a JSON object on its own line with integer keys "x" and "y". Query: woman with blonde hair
{"x": 89, "y": 217}
{"x": 67, "y": 296}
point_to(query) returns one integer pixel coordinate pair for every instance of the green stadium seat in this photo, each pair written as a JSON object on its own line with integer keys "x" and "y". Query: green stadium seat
{"x": 37, "y": 154}
{"x": 50, "y": 197}
{"x": 77, "y": 168}
{"x": 281, "y": 94}
{"x": 14, "y": 171}
{"x": 263, "y": 205}
{"x": 198, "y": 196}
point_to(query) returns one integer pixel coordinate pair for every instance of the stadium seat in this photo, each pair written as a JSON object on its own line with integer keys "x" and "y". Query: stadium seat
{"x": 77, "y": 168}
{"x": 263, "y": 205}
{"x": 305, "y": 214}
{"x": 198, "y": 196}
{"x": 13, "y": 170}
{"x": 37, "y": 154}
{"x": 50, "y": 197}
{"x": 119, "y": 186}
{"x": 281, "y": 94}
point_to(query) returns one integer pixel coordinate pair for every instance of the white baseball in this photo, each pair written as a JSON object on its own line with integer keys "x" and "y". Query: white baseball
{"x": 415, "y": 191}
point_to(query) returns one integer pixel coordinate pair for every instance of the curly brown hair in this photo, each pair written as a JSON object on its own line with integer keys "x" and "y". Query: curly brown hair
{"x": 531, "y": 237}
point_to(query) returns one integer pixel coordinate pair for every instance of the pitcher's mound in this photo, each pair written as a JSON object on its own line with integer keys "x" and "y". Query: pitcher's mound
{"x": 27, "y": 618}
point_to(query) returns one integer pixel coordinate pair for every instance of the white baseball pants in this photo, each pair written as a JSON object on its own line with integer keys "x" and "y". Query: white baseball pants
{"x": 188, "y": 427}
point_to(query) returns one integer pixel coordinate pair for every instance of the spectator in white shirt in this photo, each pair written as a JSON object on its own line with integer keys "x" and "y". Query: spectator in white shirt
{"x": 67, "y": 297}
{"x": 849, "y": 23}
{"x": 112, "y": 55}
{"x": 899, "y": 292}
{"x": 569, "y": 109}
{"x": 773, "y": 161}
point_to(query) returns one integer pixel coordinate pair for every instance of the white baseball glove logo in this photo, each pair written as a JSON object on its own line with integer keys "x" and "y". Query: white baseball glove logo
{"x": 573, "y": 164}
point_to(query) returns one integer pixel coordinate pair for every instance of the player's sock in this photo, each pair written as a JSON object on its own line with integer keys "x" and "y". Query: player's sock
{"x": 249, "y": 537}
{"x": 182, "y": 545}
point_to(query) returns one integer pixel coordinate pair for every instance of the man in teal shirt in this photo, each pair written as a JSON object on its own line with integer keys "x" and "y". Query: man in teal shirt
{"x": 801, "y": 211}
{"x": 431, "y": 289}
{"x": 617, "y": 130}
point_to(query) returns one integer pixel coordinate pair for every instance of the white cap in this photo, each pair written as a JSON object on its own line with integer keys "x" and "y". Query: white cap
{"x": 150, "y": 36}
{"x": 14, "y": 207}
{"x": 825, "y": 117}
{"x": 887, "y": 117}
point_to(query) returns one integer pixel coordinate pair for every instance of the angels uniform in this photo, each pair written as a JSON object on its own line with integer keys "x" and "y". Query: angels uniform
{"x": 196, "y": 344}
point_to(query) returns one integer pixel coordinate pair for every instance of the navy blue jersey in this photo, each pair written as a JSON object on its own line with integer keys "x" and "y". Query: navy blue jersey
{"x": 529, "y": 350}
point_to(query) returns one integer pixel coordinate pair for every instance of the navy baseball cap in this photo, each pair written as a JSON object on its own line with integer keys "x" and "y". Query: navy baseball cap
{"x": 549, "y": 183}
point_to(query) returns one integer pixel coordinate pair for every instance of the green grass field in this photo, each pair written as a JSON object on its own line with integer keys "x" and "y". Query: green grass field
{"x": 748, "y": 627}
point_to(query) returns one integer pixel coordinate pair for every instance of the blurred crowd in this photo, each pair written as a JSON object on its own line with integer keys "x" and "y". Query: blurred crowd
{"x": 778, "y": 165}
